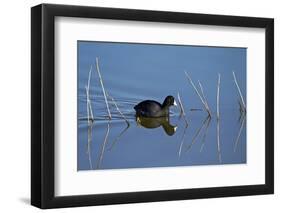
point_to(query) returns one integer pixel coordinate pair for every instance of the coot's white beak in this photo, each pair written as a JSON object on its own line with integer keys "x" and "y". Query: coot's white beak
{"x": 175, "y": 103}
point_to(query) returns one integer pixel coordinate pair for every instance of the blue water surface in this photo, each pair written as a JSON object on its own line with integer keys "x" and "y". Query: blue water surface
{"x": 135, "y": 72}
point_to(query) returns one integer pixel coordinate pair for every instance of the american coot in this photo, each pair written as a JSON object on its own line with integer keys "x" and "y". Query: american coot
{"x": 150, "y": 108}
{"x": 152, "y": 123}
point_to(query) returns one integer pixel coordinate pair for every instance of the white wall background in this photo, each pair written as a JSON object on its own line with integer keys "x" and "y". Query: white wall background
{"x": 15, "y": 105}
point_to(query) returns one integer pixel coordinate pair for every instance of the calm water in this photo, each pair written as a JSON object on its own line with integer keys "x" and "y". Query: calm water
{"x": 135, "y": 72}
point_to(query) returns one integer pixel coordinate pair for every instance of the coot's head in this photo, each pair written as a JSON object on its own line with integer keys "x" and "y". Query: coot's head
{"x": 169, "y": 101}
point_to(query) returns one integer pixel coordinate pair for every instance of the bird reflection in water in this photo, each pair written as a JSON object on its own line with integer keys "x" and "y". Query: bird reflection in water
{"x": 152, "y": 123}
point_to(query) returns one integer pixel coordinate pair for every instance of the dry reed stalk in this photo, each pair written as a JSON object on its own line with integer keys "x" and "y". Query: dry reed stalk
{"x": 218, "y": 117}
{"x": 218, "y": 96}
{"x": 116, "y": 106}
{"x": 90, "y": 115}
{"x": 90, "y": 119}
{"x": 205, "y": 99}
{"x": 89, "y": 77}
{"x": 88, "y": 94}
{"x": 197, "y": 92}
{"x": 182, "y": 109}
{"x": 240, "y": 93}
{"x": 103, "y": 90}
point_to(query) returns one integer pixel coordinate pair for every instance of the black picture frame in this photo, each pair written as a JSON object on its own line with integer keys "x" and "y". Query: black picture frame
{"x": 43, "y": 105}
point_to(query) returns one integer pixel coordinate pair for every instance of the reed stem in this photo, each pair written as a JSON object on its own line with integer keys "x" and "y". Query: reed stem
{"x": 182, "y": 109}
{"x": 89, "y": 78}
{"x": 88, "y": 114}
{"x": 218, "y": 96}
{"x": 218, "y": 118}
{"x": 205, "y": 99}
{"x": 103, "y": 90}
{"x": 197, "y": 92}
{"x": 89, "y": 107}
{"x": 122, "y": 115}
{"x": 88, "y": 95}
{"x": 90, "y": 119}
{"x": 239, "y": 91}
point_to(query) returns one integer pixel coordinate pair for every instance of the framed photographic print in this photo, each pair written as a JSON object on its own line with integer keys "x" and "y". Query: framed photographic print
{"x": 139, "y": 106}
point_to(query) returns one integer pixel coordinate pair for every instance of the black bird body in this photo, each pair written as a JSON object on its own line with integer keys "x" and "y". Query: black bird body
{"x": 151, "y": 108}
